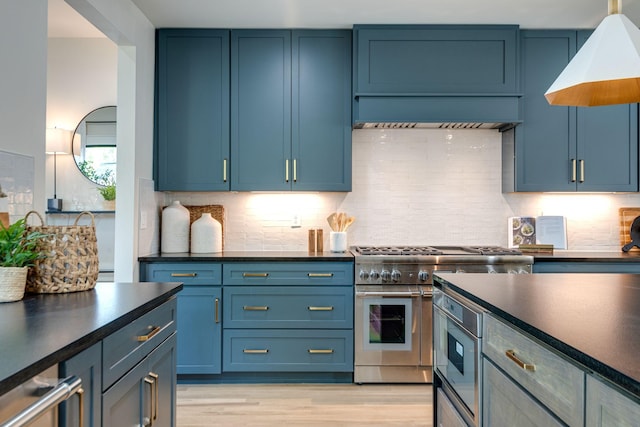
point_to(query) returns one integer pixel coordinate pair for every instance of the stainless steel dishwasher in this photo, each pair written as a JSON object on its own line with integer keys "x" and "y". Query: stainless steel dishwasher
{"x": 34, "y": 403}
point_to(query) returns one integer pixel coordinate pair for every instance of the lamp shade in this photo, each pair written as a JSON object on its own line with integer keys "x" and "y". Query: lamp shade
{"x": 58, "y": 141}
{"x": 605, "y": 71}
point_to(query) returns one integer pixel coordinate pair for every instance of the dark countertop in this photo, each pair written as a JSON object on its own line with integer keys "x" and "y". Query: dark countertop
{"x": 588, "y": 256}
{"x": 44, "y": 329}
{"x": 592, "y": 318}
{"x": 250, "y": 256}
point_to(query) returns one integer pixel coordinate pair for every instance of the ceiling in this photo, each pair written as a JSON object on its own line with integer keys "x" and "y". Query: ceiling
{"x": 65, "y": 22}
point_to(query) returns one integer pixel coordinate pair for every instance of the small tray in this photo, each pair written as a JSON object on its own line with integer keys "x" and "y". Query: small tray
{"x": 627, "y": 215}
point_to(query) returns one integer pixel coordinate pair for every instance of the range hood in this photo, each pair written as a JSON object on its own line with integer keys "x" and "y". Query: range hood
{"x": 399, "y": 111}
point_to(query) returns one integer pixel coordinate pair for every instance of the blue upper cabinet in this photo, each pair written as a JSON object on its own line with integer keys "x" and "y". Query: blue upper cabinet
{"x": 567, "y": 148}
{"x": 260, "y": 109}
{"x": 436, "y": 73}
{"x": 290, "y": 110}
{"x": 192, "y": 110}
{"x": 437, "y": 59}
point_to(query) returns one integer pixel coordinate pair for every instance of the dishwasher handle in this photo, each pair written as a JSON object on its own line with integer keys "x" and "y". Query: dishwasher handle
{"x": 63, "y": 391}
{"x": 389, "y": 294}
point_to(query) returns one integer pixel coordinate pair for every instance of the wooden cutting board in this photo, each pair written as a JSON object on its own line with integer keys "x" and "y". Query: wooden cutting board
{"x": 627, "y": 215}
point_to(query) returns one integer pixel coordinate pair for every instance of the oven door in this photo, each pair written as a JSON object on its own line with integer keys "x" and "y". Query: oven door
{"x": 387, "y": 325}
{"x": 457, "y": 359}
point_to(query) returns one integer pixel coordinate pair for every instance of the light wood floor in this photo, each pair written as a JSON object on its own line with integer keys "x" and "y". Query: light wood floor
{"x": 292, "y": 405}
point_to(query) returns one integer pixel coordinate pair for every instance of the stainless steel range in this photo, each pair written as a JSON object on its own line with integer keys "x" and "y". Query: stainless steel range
{"x": 393, "y": 305}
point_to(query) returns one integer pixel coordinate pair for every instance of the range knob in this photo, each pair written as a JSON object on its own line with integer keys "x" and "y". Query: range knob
{"x": 386, "y": 275}
{"x": 364, "y": 275}
{"x": 423, "y": 275}
{"x": 373, "y": 275}
{"x": 395, "y": 275}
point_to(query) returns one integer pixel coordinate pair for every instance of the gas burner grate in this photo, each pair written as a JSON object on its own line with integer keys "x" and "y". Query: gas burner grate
{"x": 397, "y": 250}
{"x": 495, "y": 250}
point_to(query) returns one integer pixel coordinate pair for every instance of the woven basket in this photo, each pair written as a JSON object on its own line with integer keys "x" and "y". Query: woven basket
{"x": 71, "y": 262}
{"x": 12, "y": 283}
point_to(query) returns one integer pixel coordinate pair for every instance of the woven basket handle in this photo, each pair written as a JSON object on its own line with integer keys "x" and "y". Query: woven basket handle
{"x": 85, "y": 213}
{"x": 37, "y": 214}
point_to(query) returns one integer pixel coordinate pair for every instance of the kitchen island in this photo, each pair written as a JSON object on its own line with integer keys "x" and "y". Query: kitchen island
{"x": 43, "y": 330}
{"x": 592, "y": 320}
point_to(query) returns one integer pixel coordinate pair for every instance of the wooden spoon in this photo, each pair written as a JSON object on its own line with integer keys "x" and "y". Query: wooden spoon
{"x": 331, "y": 219}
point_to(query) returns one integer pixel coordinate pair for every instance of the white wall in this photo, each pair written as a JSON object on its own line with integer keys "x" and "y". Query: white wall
{"x": 419, "y": 187}
{"x": 23, "y": 31}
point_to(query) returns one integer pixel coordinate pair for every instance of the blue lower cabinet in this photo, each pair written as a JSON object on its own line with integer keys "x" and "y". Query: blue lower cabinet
{"x": 86, "y": 365}
{"x": 279, "y": 350}
{"x": 199, "y": 330}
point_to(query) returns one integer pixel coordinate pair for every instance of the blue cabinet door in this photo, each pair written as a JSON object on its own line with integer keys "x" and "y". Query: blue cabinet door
{"x": 192, "y": 110}
{"x": 569, "y": 148}
{"x": 86, "y": 365}
{"x": 421, "y": 59}
{"x": 261, "y": 110}
{"x": 321, "y": 122}
{"x": 199, "y": 330}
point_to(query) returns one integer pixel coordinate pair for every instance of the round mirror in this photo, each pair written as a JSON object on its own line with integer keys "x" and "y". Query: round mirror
{"x": 94, "y": 146}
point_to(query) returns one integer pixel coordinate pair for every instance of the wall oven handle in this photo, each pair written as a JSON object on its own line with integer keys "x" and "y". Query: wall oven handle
{"x": 390, "y": 294}
{"x": 63, "y": 391}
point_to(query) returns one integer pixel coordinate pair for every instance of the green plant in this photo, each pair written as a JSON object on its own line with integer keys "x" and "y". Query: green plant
{"x": 108, "y": 192}
{"x": 18, "y": 247}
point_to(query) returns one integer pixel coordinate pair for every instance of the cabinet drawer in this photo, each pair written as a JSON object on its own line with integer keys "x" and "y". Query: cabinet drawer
{"x": 189, "y": 273}
{"x": 123, "y": 349}
{"x": 288, "y": 307}
{"x": 275, "y": 273}
{"x": 287, "y": 350}
{"x": 548, "y": 377}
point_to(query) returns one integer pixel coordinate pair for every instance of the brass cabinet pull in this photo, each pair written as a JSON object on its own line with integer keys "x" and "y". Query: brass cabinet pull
{"x": 581, "y": 170}
{"x": 319, "y": 274}
{"x": 80, "y": 394}
{"x": 511, "y": 354}
{"x": 295, "y": 171}
{"x": 258, "y": 351}
{"x": 321, "y": 351}
{"x": 224, "y": 170}
{"x": 286, "y": 170}
{"x": 312, "y": 308}
{"x": 255, "y": 274}
{"x": 184, "y": 274}
{"x": 217, "y": 304}
{"x": 573, "y": 170}
{"x": 151, "y": 400}
{"x": 153, "y": 330}
{"x": 255, "y": 307}
{"x": 156, "y": 399}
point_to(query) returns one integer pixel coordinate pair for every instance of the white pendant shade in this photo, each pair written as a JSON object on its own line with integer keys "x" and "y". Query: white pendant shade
{"x": 605, "y": 71}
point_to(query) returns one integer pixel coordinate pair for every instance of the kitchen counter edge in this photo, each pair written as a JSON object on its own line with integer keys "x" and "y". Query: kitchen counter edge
{"x": 632, "y": 256}
{"x": 250, "y": 256}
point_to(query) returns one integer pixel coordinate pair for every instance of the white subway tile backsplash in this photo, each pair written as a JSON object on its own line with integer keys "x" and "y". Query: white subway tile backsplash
{"x": 415, "y": 186}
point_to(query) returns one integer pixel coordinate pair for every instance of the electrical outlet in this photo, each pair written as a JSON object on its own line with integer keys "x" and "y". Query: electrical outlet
{"x": 295, "y": 221}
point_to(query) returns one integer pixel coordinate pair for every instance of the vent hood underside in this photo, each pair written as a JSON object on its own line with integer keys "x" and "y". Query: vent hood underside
{"x": 449, "y": 125}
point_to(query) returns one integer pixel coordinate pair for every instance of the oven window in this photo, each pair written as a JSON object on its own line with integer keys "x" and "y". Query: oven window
{"x": 455, "y": 353}
{"x": 388, "y": 322}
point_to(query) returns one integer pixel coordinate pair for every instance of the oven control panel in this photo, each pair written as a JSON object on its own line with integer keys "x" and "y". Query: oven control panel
{"x": 416, "y": 274}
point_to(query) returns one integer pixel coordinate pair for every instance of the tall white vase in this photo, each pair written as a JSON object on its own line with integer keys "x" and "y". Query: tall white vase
{"x": 175, "y": 228}
{"x": 206, "y": 235}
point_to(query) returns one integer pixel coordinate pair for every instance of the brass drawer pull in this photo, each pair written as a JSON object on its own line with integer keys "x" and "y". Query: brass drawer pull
{"x": 263, "y": 351}
{"x": 295, "y": 171}
{"x": 151, "y": 384}
{"x": 321, "y": 351}
{"x": 255, "y": 307}
{"x": 156, "y": 385}
{"x": 80, "y": 394}
{"x": 511, "y": 354}
{"x": 573, "y": 170}
{"x": 184, "y": 274}
{"x": 320, "y": 274}
{"x": 224, "y": 170}
{"x": 255, "y": 274}
{"x": 152, "y": 331}
{"x": 286, "y": 170}
{"x": 312, "y": 308}
{"x": 581, "y": 170}
{"x": 217, "y": 309}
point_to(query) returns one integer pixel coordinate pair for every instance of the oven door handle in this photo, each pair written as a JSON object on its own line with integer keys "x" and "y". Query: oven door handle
{"x": 390, "y": 294}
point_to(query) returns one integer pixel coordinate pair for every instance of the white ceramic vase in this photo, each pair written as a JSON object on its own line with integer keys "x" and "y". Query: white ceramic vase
{"x": 175, "y": 228}
{"x": 206, "y": 235}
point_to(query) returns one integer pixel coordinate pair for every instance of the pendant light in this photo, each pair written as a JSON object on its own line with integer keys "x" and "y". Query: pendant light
{"x": 606, "y": 70}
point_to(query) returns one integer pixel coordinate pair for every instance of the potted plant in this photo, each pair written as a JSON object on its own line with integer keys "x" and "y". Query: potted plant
{"x": 18, "y": 251}
{"x": 108, "y": 193}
